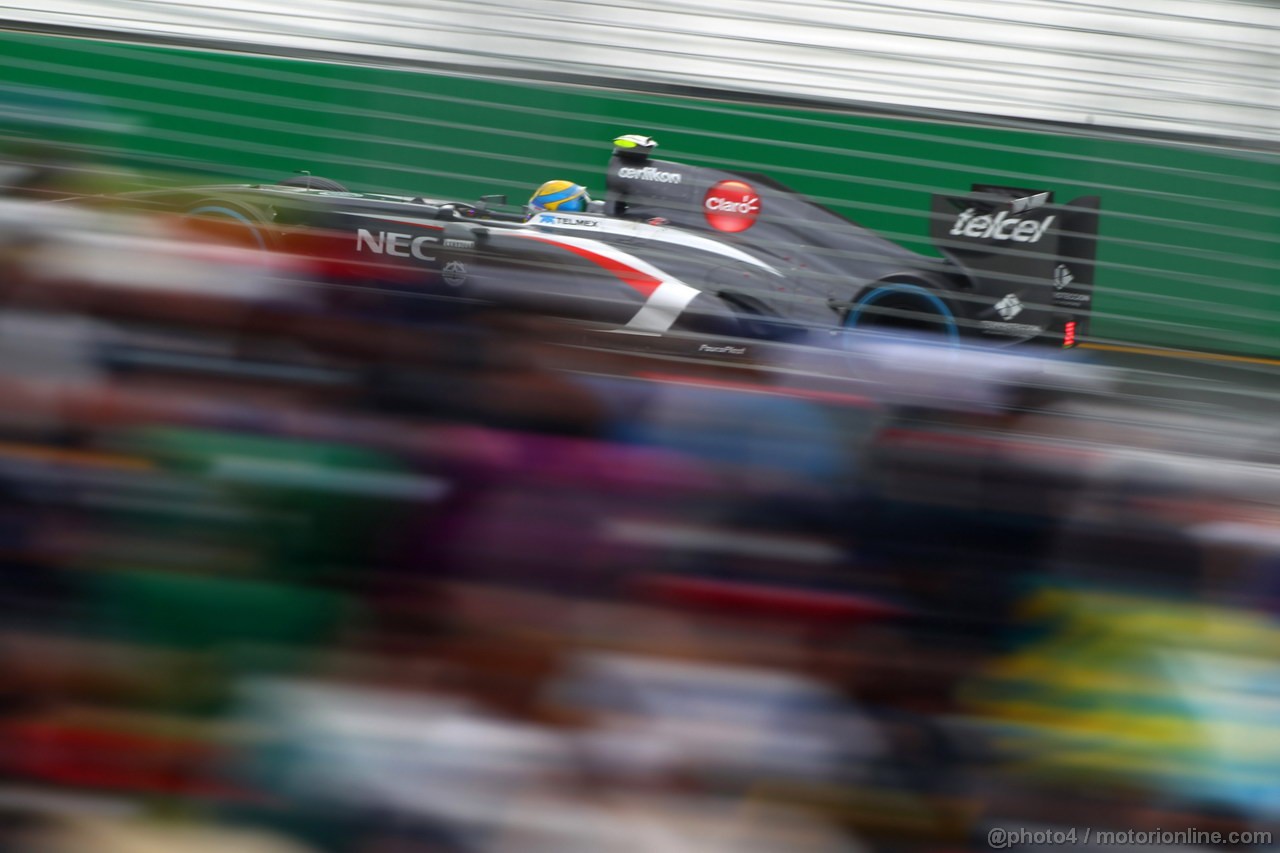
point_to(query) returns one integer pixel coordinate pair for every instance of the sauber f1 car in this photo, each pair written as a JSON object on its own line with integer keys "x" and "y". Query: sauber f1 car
{"x": 713, "y": 258}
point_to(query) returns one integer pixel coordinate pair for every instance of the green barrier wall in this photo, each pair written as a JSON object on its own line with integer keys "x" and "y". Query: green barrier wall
{"x": 1187, "y": 256}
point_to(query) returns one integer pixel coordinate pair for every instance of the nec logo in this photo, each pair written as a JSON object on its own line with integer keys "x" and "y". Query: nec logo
{"x": 400, "y": 245}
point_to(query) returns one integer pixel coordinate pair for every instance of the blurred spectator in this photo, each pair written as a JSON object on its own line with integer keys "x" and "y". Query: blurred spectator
{"x": 340, "y": 580}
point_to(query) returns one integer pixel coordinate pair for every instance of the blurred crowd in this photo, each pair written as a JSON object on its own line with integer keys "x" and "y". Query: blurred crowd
{"x": 283, "y": 576}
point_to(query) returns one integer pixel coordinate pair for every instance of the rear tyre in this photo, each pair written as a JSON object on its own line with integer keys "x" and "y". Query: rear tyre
{"x": 907, "y": 308}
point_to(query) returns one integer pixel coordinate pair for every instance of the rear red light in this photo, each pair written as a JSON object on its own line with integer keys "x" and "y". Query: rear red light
{"x": 1069, "y": 334}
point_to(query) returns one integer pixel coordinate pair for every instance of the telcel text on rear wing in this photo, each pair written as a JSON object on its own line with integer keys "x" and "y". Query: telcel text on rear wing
{"x": 1034, "y": 259}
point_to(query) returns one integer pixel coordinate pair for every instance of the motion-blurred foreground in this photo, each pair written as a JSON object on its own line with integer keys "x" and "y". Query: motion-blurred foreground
{"x": 280, "y": 575}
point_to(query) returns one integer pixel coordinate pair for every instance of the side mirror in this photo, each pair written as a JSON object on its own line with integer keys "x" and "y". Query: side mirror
{"x": 485, "y": 200}
{"x": 595, "y": 206}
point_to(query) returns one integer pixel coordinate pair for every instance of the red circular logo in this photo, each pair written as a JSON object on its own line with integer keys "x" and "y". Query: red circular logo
{"x": 731, "y": 206}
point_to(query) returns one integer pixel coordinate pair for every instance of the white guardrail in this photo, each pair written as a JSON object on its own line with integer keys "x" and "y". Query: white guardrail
{"x": 1180, "y": 66}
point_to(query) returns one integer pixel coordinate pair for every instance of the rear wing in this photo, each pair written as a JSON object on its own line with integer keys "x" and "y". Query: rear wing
{"x": 1013, "y": 240}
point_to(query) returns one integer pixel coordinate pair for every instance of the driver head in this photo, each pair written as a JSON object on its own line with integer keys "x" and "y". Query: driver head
{"x": 564, "y": 196}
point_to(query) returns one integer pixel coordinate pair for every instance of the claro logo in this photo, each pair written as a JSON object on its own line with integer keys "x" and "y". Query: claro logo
{"x": 731, "y": 206}
{"x": 1002, "y": 226}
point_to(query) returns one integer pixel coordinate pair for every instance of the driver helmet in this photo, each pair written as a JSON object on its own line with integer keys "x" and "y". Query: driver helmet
{"x": 560, "y": 196}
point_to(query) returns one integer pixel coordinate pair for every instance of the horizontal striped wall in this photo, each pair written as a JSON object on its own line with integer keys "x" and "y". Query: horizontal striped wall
{"x": 1187, "y": 256}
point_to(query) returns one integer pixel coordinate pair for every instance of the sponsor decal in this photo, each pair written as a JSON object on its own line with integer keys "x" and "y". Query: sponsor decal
{"x": 731, "y": 206}
{"x": 1062, "y": 276}
{"x": 455, "y": 273}
{"x": 391, "y": 243}
{"x": 1009, "y": 307}
{"x": 1002, "y": 226}
{"x": 730, "y": 350}
{"x": 1018, "y": 205}
{"x": 650, "y": 173}
{"x": 574, "y": 221}
{"x": 995, "y": 327}
{"x": 454, "y": 243}
{"x": 1072, "y": 297}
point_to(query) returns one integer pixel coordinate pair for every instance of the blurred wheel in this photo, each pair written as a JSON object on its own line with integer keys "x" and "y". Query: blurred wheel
{"x": 906, "y": 307}
{"x": 231, "y": 223}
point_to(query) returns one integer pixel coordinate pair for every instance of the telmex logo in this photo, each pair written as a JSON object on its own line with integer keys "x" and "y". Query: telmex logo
{"x": 1002, "y": 226}
{"x": 400, "y": 245}
{"x": 580, "y": 221}
{"x": 650, "y": 173}
{"x": 731, "y": 206}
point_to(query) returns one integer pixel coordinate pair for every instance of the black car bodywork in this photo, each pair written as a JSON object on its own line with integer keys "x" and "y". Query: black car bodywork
{"x": 675, "y": 248}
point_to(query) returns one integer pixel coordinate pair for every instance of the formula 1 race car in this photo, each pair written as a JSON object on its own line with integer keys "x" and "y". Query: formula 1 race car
{"x": 712, "y": 257}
